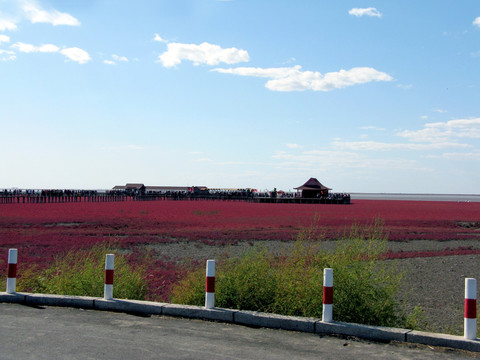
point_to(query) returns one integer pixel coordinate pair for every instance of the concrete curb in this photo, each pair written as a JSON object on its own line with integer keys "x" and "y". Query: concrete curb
{"x": 198, "y": 312}
{"x": 248, "y": 318}
{"x": 274, "y": 321}
{"x": 129, "y": 306}
{"x": 376, "y": 333}
{"x": 82, "y": 302}
{"x": 444, "y": 340}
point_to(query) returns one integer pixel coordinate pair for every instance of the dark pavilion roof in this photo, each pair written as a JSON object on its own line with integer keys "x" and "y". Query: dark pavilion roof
{"x": 129, "y": 187}
{"x": 312, "y": 184}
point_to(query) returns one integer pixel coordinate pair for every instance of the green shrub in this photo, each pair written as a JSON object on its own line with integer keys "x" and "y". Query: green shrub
{"x": 82, "y": 273}
{"x": 292, "y": 283}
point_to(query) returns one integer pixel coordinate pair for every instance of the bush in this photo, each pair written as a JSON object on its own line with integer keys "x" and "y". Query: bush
{"x": 82, "y": 273}
{"x": 292, "y": 283}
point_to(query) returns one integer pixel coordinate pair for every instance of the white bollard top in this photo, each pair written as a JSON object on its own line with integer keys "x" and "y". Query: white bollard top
{"x": 470, "y": 288}
{"x": 12, "y": 256}
{"x": 211, "y": 268}
{"x": 109, "y": 262}
{"x": 328, "y": 277}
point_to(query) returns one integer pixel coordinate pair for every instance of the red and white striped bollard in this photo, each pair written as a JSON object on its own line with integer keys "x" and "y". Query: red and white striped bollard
{"x": 109, "y": 267}
{"x": 210, "y": 285}
{"x": 12, "y": 271}
{"x": 327, "y": 313}
{"x": 470, "y": 316}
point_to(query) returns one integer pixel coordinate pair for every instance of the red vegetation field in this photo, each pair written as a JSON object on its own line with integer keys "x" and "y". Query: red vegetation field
{"x": 41, "y": 231}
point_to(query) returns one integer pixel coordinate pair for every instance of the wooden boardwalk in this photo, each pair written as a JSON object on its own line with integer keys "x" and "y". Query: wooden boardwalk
{"x": 53, "y": 199}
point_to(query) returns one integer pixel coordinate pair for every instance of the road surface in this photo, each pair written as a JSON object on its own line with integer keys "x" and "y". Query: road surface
{"x": 66, "y": 333}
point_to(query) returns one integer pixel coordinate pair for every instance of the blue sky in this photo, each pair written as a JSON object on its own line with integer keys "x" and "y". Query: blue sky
{"x": 366, "y": 96}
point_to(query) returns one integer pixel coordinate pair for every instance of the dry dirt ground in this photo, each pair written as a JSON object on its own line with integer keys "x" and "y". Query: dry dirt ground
{"x": 436, "y": 284}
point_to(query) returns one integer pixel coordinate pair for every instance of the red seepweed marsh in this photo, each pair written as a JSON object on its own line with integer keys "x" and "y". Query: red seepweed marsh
{"x": 42, "y": 232}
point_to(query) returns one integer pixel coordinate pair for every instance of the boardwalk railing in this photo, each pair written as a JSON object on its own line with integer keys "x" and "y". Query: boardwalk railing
{"x": 74, "y": 198}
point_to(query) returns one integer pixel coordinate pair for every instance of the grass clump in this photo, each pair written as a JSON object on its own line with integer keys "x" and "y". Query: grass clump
{"x": 82, "y": 272}
{"x": 292, "y": 283}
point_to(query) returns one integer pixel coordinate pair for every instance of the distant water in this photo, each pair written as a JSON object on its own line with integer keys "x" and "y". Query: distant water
{"x": 417, "y": 197}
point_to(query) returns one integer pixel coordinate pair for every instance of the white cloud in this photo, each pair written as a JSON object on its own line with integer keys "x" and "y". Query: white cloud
{"x": 372, "y": 128}
{"x": 116, "y": 58}
{"x": 159, "y": 38}
{"x": 462, "y": 156}
{"x": 315, "y": 160}
{"x": 7, "y": 55}
{"x": 204, "y": 53}
{"x": 28, "y": 48}
{"x": 405, "y": 86}
{"x": 294, "y": 146}
{"x": 4, "y": 39}
{"x": 293, "y": 79}
{"x": 383, "y": 146}
{"x": 434, "y": 136}
{"x": 36, "y": 14}
{"x": 7, "y": 25}
{"x": 445, "y": 131}
{"x": 476, "y": 22}
{"x": 76, "y": 54}
{"x": 119, "y": 58}
{"x": 371, "y": 11}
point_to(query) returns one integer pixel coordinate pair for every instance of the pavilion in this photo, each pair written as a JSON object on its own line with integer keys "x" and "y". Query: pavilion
{"x": 313, "y": 189}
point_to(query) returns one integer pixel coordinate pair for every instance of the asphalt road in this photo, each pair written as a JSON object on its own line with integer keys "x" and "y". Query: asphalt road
{"x": 66, "y": 333}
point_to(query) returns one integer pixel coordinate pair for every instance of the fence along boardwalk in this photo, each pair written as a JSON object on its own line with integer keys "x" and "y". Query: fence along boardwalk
{"x": 74, "y": 198}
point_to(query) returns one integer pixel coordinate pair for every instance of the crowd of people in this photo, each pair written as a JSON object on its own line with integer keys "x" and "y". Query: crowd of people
{"x": 66, "y": 195}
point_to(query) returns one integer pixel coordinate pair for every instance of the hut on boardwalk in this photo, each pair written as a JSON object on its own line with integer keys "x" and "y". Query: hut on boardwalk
{"x": 313, "y": 189}
{"x": 131, "y": 189}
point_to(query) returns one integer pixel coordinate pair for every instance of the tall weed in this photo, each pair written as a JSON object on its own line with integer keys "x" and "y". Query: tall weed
{"x": 292, "y": 283}
{"x": 82, "y": 273}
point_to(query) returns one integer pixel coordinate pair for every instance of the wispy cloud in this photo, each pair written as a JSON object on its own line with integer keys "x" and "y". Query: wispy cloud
{"x": 371, "y": 11}
{"x": 372, "y": 128}
{"x": 204, "y": 53}
{"x": 7, "y": 25}
{"x": 74, "y": 53}
{"x": 28, "y": 48}
{"x": 434, "y": 136}
{"x": 4, "y": 39}
{"x": 476, "y": 22}
{"x": 116, "y": 58}
{"x": 444, "y": 131}
{"x": 120, "y": 58}
{"x": 468, "y": 156}
{"x": 384, "y": 146}
{"x": 294, "y": 79}
{"x": 32, "y": 11}
{"x": 158, "y": 38}
{"x": 294, "y": 146}
{"x": 7, "y": 55}
{"x": 35, "y": 13}
{"x": 405, "y": 86}
{"x": 313, "y": 160}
